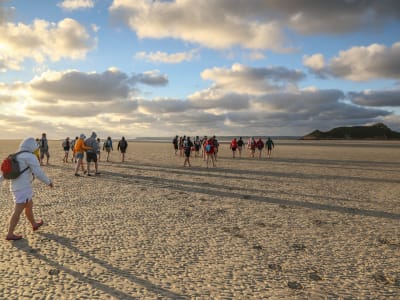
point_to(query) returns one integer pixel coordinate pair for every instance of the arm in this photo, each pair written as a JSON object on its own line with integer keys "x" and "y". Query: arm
{"x": 33, "y": 164}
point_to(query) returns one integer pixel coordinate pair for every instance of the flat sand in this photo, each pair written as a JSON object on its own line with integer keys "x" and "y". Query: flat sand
{"x": 319, "y": 220}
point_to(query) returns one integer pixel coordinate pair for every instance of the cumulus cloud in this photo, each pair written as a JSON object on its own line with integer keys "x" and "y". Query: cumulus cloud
{"x": 359, "y": 63}
{"x": 76, "y": 4}
{"x": 43, "y": 40}
{"x": 256, "y": 24}
{"x": 78, "y": 86}
{"x": 376, "y": 98}
{"x": 243, "y": 79}
{"x": 167, "y": 58}
{"x": 211, "y": 24}
{"x": 153, "y": 77}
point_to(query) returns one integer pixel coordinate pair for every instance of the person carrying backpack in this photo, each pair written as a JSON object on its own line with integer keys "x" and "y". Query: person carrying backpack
{"x": 122, "y": 145}
{"x": 187, "y": 147}
{"x": 21, "y": 186}
{"x": 108, "y": 147}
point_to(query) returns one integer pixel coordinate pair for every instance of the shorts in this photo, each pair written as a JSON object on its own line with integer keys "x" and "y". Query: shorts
{"x": 23, "y": 196}
{"x": 187, "y": 153}
{"x": 66, "y": 149}
{"x": 123, "y": 150}
{"x": 91, "y": 156}
{"x": 234, "y": 149}
{"x": 43, "y": 153}
{"x": 79, "y": 155}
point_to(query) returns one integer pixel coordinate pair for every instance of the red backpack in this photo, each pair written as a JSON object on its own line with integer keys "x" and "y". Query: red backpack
{"x": 10, "y": 166}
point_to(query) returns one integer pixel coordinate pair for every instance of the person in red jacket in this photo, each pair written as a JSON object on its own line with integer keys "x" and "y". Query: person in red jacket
{"x": 260, "y": 147}
{"x": 233, "y": 146}
{"x": 209, "y": 150}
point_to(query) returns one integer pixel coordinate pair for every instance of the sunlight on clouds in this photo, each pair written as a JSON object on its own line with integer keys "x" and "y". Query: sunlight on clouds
{"x": 315, "y": 61}
{"x": 169, "y": 58}
{"x": 76, "y": 4}
{"x": 42, "y": 40}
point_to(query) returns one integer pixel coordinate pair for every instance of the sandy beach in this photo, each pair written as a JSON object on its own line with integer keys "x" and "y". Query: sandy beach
{"x": 319, "y": 220}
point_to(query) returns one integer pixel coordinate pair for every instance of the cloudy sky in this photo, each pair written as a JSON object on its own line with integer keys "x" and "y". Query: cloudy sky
{"x": 225, "y": 67}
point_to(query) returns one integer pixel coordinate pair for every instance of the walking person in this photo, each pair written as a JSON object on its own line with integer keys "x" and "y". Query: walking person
{"x": 270, "y": 145}
{"x": 233, "y": 146}
{"x": 122, "y": 145}
{"x": 91, "y": 153}
{"x": 98, "y": 148}
{"x": 80, "y": 149}
{"x": 209, "y": 150}
{"x": 260, "y": 147}
{"x": 21, "y": 187}
{"x": 187, "y": 148}
{"x": 44, "y": 149}
{"x": 66, "y": 146}
{"x": 108, "y": 147}
{"x": 73, "y": 142}
{"x": 175, "y": 144}
{"x": 240, "y": 144}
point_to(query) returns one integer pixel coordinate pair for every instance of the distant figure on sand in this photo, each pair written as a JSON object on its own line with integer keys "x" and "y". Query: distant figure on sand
{"x": 108, "y": 146}
{"x": 91, "y": 153}
{"x": 44, "y": 149}
{"x": 270, "y": 146}
{"x": 240, "y": 144}
{"x": 66, "y": 146}
{"x": 251, "y": 145}
{"x": 122, "y": 145}
{"x": 233, "y": 146}
{"x": 98, "y": 148}
{"x": 73, "y": 142}
{"x": 260, "y": 147}
{"x": 21, "y": 187}
{"x": 80, "y": 149}
{"x": 187, "y": 148}
{"x": 175, "y": 144}
{"x": 209, "y": 150}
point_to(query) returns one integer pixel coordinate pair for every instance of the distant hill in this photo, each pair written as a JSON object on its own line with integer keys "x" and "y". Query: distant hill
{"x": 377, "y": 131}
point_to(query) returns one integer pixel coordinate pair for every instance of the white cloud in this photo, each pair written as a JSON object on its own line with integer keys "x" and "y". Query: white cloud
{"x": 76, "y": 4}
{"x": 244, "y": 79}
{"x": 43, "y": 40}
{"x": 360, "y": 63}
{"x": 256, "y": 24}
{"x": 208, "y": 24}
{"x": 168, "y": 58}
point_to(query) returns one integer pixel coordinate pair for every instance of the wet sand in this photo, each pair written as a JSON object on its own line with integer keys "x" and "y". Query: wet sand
{"x": 319, "y": 220}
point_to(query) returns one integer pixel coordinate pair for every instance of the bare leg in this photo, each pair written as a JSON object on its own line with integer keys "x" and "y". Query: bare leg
{"x": 19, "y": 207}
{"x": 29, "y": 213}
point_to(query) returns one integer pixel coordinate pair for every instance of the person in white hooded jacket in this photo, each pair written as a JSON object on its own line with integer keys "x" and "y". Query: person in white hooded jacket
{"x": 21, "y": 187}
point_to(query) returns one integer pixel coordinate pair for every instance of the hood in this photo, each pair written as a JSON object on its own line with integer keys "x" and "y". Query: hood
{"x": 28, "y": 144}
{"x": 94, "y": 135}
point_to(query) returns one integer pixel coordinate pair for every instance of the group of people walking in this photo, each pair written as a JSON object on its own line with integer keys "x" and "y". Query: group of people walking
{"x": 207, "y": 148}
{"x": 80, "y": 146}
{"x": 92, "y": 147}
{"x": 253, "y": 145}
{"x": 204, "y": 147}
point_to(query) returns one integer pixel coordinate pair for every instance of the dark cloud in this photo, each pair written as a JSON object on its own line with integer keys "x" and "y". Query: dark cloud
{"x": 376, "y": 98}
{"x": 110, "y": 85}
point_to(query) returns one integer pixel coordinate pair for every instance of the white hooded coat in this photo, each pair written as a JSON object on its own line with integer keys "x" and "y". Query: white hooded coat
{"x": 27, "y": 159}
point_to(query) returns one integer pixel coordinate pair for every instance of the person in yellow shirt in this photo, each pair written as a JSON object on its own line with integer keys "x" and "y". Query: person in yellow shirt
{"x": 79, "y": 150}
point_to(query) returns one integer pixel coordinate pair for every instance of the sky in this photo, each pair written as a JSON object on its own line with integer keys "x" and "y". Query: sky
{"x": 153, "y": 68}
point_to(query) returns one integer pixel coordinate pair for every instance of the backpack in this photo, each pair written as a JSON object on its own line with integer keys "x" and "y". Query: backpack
{"x": 10, "y": 166}
{"x": 122, "y": 143}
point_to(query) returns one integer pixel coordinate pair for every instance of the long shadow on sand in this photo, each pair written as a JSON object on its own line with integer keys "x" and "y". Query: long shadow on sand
{"x": 65, "y": 242}
{"x": 253, "y": 174}
{"x": 218, "y": 190}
